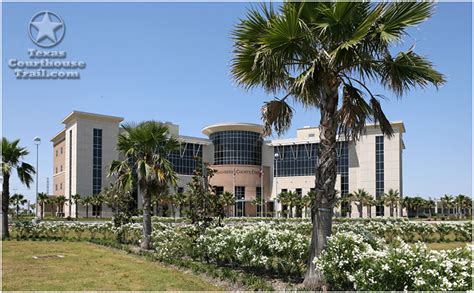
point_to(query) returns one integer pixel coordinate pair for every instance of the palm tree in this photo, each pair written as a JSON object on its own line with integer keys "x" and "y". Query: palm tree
{"x": 446, "y": 202}
{"x": 178, "y": 199}
{"x": 369, "y": 203}
{"x": 306, "y": 201}
{"x": 86, "y": 201}
{"x": 60, "y": 200}
{"x": 12, "y": 158}
{"x": 76, "y": 198}
{"x": 42, "y": 199}
{"x": 322, "y": 55}
{"x": 18, "y": 200}
{"x": 360, "y": 197}
{"x": 391, "y": 198}
{"x": 145, "y": 147}
{"x": 96, "y": 201}
{"x": 284, "y": 199}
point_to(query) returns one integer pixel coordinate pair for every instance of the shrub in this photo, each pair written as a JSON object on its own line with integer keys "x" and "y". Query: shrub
{"x": 351, "y": 262}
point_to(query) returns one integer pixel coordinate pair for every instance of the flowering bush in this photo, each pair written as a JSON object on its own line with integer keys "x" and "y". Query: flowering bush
{"x": 354, "y": 262}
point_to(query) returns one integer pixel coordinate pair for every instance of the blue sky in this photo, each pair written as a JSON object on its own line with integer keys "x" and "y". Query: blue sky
{"x": 170, "y": 61}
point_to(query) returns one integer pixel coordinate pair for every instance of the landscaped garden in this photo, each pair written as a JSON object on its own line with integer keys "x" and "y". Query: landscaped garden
{"x": 361, "y": 254}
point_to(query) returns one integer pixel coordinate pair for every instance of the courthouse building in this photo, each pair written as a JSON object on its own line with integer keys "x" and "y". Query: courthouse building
{"x": 246, "y": 164}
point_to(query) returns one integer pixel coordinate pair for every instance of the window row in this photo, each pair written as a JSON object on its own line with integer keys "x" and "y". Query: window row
{"x": 237, "y": 147}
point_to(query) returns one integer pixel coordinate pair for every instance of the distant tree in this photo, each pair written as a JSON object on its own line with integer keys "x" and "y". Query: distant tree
{"x": 76, "y": 199}
{"x": 446, "y": 202}
{"x": 178, "y": 200}
{"x": 284, "y": 198}
{"x": 42, "y": 199}
{"x": 392, "y": 199}
{"x": 86, "y": 202}
{"x": 360, "y": 197}
{"x": 12, "y": 158}
{"x": 58, "y": 201}
{"x": 222, "y": 203}
{"x": 18, "y": 201}
{"x": 97, "y": 200}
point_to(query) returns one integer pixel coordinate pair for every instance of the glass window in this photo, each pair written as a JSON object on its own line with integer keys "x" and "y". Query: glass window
{"x": 97, "y": 161}
{"x": 379, "y": 173}
{"x": 237, "y": 147}
{"x": 184, "y": 160}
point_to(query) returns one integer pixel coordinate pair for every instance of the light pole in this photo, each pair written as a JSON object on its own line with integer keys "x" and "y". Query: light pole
{"x": 37, "y": 141}
{"x": 277, "y": 155}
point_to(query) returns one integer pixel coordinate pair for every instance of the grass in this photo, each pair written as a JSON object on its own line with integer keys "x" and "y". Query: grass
{"x": 86, "y": 266}
{"x": 446, "y": 245}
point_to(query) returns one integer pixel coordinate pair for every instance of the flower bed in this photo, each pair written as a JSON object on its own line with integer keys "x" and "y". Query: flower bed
{"x": 356, "y": 262}
{"x": 359, "y": 256}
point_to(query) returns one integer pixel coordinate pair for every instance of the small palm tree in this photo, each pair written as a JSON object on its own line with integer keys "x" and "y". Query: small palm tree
{"x": 392, "y": 199}
{"x": 284, "y": 199}
{"x": 18, "y": 200}
{"x": 360, "y": 198}
{"x": 96, "y": 201}
{"x": 42, "y": 199}
{"x": 446, "y": 202}
{"x": 76, "y": 199}
{"x": 60, "y": 200}
{"x": 12, "y": 158}
{"x": 86, "y": 202}
{"x": 322, "y": 55}
{"x": 145, "y": 147}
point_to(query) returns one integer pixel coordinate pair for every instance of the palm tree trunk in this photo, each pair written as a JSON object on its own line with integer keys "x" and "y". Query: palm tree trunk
{"x": 360, "y": 207}
{"x": 5, "y": 204}
{"x": 369, "y": 212}
{"x": 146, "y": 218}
{"x": 77, "y": 209}
{"x": 325, "y": 181}
{"x": 42, "y": 211}
{"x": 391, "y": 210}
{"x": 87, "y": 211}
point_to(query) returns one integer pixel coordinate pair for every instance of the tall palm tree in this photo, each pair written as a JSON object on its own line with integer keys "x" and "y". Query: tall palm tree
{"x": 392, "y": 199}
{"x": 360, "y": 198}
{"x": 18, "y": 200}
{"x": 42, "y": 199}
{"x": 76, "y": 199}
{"x": 323, "y": 55}
{"x": 12, "y": 158}
{"x": 145, "y": 147}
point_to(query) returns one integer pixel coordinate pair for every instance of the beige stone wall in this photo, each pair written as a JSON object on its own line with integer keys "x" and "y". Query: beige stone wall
{"x": 59, "y": 165}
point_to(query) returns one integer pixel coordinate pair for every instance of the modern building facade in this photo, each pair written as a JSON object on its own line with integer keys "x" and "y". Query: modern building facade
{"x": 247, "y": 165}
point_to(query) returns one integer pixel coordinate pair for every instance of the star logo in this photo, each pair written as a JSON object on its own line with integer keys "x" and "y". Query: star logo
{"x": 46, "y": 29}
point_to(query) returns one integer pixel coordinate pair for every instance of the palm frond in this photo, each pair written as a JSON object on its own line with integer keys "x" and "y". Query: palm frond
{"x": 277, "y": 115}
{"x": 408, "y": 70}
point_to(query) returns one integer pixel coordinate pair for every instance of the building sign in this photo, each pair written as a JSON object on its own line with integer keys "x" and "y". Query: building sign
{"x": 237, "y": 171}
{"x": 46, "y": 29}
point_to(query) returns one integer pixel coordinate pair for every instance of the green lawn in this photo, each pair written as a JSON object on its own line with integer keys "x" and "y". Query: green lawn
{"x": 86, "y": 266}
